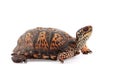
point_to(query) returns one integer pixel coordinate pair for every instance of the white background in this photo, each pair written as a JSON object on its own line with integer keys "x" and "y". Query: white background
{"x": 69, "y": 15}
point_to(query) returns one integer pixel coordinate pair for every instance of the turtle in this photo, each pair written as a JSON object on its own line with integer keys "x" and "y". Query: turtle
{"x": 51, "y": 44}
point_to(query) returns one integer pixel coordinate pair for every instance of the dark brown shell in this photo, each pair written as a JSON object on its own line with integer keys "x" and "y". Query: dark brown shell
{"x": 43, "y": 42}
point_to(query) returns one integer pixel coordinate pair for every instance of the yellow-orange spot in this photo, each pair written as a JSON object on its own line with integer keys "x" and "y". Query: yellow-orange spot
{"x": 35, "y": 55}
{"x": 45, "y": 56}
{"x": 52, "y": 56}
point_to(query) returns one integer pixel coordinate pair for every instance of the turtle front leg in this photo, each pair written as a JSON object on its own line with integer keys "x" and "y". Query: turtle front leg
{"x": 85, "y": 50}
{"x": 65, "y": 55}
{"x": 18, "y": 58}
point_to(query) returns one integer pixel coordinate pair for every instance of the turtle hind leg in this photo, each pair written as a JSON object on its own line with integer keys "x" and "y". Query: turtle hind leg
{"x": 18, "y": 58}
{"x": 65, "y": 55}
{"x": 85, "y": 50}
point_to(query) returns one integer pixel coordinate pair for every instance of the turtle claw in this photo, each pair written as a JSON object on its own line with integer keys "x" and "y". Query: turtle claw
{"x": 61, "y": 61}
{"x": 87, "y": 51}
{"x": 25, "y": 61}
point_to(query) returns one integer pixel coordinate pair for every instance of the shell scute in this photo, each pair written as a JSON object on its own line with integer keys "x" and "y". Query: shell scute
{"x": 57, "y": 41}
{"x": 42, "y": 42}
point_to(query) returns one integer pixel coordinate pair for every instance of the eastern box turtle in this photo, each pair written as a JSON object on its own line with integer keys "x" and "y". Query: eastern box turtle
{"x": 50, "y": 43}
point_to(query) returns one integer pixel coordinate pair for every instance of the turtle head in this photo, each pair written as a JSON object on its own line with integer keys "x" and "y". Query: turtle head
{"x": 82, "y": 36}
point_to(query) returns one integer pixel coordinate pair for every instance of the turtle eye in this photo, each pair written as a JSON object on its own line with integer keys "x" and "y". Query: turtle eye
{"x": 85, "y": 29}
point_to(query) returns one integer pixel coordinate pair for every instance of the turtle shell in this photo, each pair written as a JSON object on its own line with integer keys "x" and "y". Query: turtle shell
{"x": 43, "y": 43}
